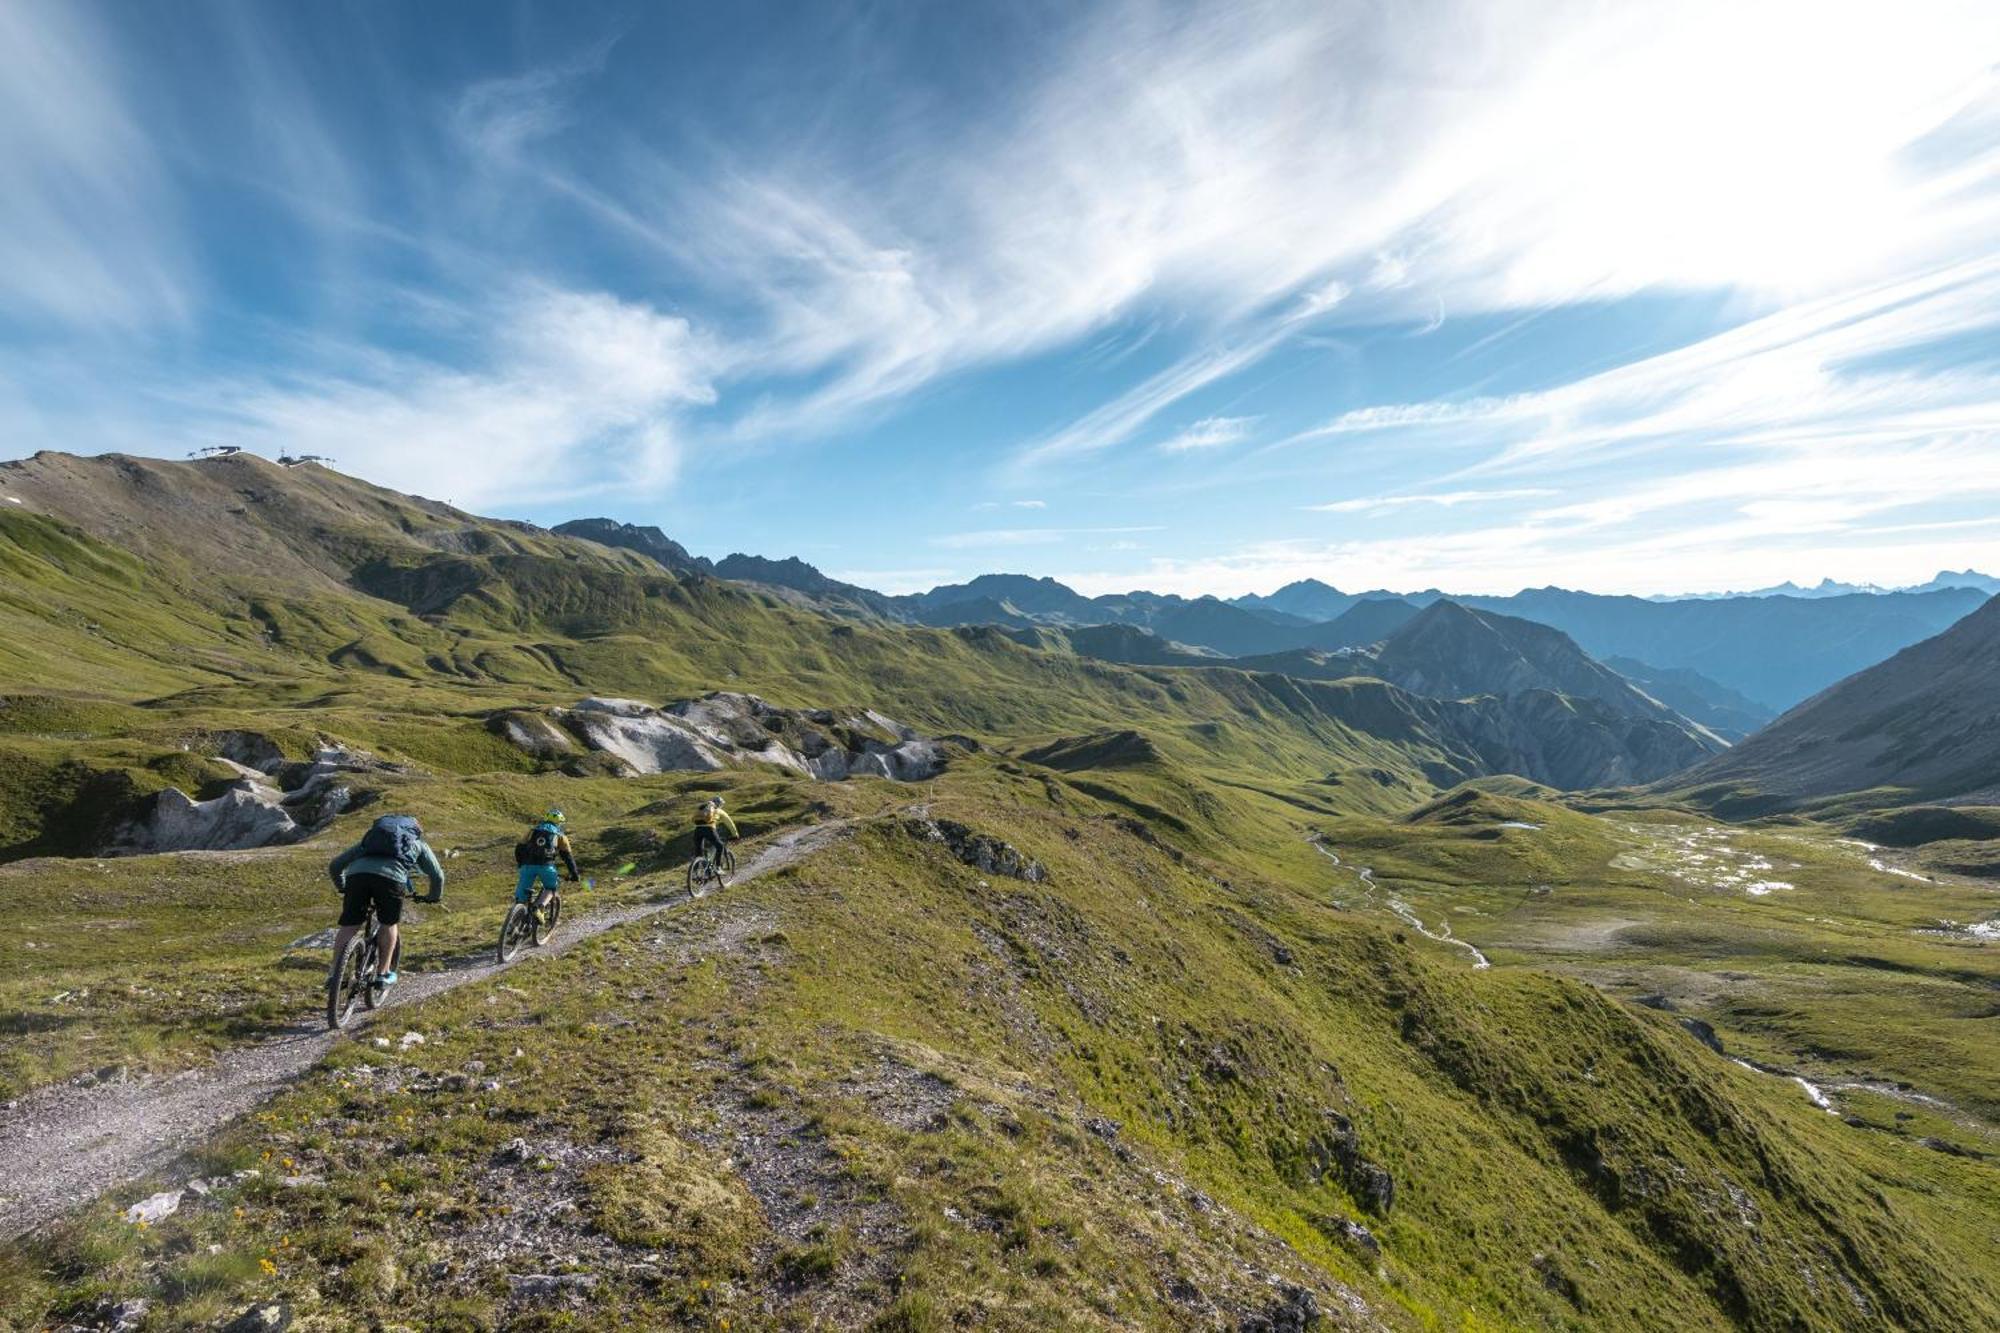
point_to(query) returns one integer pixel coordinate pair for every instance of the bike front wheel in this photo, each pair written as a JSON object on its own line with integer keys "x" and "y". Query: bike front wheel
{"x": 514, "y": 931}
{"x": 725, "y": 865}
{"x": 347, "y": 984}
{"x": 371, "y": 975}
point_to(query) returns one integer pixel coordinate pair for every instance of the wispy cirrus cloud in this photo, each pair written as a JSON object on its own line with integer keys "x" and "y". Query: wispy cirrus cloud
{"x": 1442, "y": 499}
{"x": 1210, "y": 433}
{"x": 1130, "y": 216}
{"x": 89, "y": 227}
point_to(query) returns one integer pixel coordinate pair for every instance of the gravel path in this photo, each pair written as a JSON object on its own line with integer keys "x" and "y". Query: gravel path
{"x": 61, "y": 1147}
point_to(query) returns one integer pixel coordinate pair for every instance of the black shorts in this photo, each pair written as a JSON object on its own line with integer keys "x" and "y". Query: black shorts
{"x": 706, "y": 837}
{"x": 361, "y": 890}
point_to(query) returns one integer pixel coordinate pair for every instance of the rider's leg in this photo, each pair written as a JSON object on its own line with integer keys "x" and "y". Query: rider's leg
{"x": 389, "y": 911}
{"x": 524, "y": 881}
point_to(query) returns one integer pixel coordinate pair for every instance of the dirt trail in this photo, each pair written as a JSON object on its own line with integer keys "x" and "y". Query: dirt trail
{"x": 61, "y": 1147}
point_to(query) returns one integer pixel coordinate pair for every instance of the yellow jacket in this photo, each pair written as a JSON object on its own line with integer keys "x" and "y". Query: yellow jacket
{"x": 706, "y": 816}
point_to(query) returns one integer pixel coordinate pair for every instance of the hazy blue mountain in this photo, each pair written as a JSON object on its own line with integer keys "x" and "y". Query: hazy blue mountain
{"x": 1775, "y": 650}
{"x": 1308, "y": 599}
{"x": 1230, "y": 630}
{"x": 1923, "y": 725}
{"x": 1966, "y": 578}
{"x": 1768, "y": 652}
{"x": 1369, "y": 621}
{"x": 1722, "y": 710}
{"x": 1026, "y": 596}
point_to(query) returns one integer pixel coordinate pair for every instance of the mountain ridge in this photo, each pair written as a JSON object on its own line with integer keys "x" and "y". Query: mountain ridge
{"x": 1922, "y": 726}
{"x": 1772, "y": 650}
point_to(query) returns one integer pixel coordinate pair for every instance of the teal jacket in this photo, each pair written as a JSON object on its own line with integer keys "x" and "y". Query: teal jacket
{"x": 354, "y": 861}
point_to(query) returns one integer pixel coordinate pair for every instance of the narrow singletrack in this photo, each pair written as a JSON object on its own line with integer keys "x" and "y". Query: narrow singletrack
{"x": 63, "y": 1146}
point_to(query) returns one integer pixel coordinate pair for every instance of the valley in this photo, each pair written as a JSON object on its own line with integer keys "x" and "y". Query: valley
{"x": 1459, "y": 981}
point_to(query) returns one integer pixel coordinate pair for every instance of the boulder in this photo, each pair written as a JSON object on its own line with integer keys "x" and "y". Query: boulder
{"x": 155, "y": 1208}
{"x": 248, "y": 814}
{"x": 273, "y": 1317}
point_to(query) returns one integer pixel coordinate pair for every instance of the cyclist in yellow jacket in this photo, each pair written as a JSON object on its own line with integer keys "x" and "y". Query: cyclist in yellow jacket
{"x": 709, "y": 821}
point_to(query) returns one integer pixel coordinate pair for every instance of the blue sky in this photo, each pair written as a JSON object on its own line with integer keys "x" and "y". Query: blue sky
{"x": 1620, "y": 296}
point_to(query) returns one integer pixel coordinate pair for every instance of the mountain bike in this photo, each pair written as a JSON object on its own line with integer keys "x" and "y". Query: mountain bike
{"x": 527, "y": 921}
{"x": 710, "y": 870}
{"x": 357, "y": 977}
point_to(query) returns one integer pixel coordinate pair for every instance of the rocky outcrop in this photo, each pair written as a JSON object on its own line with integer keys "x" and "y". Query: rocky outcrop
{"x": 1337, "y": 1152}
{"x": 535, "y": 733}
{"x": 1292, "y": 1309}
{"x": 644, "y": 738}
{"x": 724, "y": 730}
{"x": 647, "y": 541}
{"x": 279, "y": 802}
{"x": 981, "y": 851}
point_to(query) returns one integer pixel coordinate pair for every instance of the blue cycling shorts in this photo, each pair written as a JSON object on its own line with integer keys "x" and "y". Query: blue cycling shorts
{"x": 531, "y": 876}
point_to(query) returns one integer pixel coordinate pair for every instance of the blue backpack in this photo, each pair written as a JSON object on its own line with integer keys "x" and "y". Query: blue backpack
{"x": 394, "y": 838}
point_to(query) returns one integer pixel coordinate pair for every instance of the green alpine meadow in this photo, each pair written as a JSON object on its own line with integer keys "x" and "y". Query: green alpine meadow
{"x": 1051, "y": 991}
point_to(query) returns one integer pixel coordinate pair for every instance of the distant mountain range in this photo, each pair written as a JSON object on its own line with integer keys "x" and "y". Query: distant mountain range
{"x": 1922, "y": 726}
{"x": 1968, "y": 578}
{"x": 1731, "y": 662}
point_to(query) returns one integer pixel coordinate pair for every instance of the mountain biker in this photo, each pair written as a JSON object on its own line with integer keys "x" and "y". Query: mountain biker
{"x": 538, "y": 853}
{"x": 709, "y": 821}
{"x": 377, "y": 869}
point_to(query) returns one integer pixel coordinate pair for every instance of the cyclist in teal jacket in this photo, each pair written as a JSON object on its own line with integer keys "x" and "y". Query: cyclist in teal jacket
{"x": 368, "y": 873}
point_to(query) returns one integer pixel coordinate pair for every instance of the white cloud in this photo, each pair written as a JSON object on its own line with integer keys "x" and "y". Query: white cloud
{"x": 1442, "y": 499}
{"x": 1254, "y": 168}
{"x": 1211, "y": 433}
{"x": 576, "y": 394}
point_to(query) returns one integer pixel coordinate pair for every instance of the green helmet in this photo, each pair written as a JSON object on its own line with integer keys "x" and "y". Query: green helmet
{"x": 556, "y": 816}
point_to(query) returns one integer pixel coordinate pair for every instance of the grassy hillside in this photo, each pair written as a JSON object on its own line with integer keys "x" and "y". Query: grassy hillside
{"x": 1231, "y": 1053}
{"x": 1121, "y": 1095}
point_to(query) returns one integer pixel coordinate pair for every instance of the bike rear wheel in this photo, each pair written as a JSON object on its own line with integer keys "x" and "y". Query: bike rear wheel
{"x": 515, "y": 930}
{"x": 345, "y": 986}
{"x": 545, "y": 920}
{"x": 700, "y": 872}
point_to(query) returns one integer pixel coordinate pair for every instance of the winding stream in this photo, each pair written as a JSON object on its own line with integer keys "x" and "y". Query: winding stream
{"x": 1404, "y": 912}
